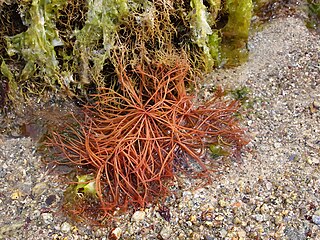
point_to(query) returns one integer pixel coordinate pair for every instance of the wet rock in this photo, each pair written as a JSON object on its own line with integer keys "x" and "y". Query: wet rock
{"x": 223, "y": 233}
{"x": 51, "y": 199}
{"x": 138, "y": 216}
{"x": 258, "y": 217}
{"x": 65, "y": 227}
{"x": 39, "y": 189}
{"x": 115, "y": 234}
{"x": 316, "y": 104}
{"x": 166, "y": 232}
{"x": 316, "y": 217}
{"x": 222, "y": 203}
{"x": 47, "y": 218}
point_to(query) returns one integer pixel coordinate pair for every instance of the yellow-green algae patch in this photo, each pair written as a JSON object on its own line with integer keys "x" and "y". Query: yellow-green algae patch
{"x": 97, "y": 38}
{"x": 36, "y": 45}
{"x": 68, "y": 61}
{"x": 201, "y": 21}
{"x": 236, "y": 32}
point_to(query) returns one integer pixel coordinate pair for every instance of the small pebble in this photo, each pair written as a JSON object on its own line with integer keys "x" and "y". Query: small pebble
{"x": 115, "y": 234}
{"x": 65, "y": 227}
{"x": 223, "y": 233}
{"x": 277, "y": 145}
{"x": 278, "y": 220}
{"x": 316, "y": 217}
{"x": 219, "y": 218}
{"x": 16, "y": 195}
{"x": 39, "y": 188}
{"x": 47, "y": 218}
{"x": 236, "y": 220}
{"x": 316, "y": 104}
{"x": 222, "y": 203}
{"x": 269, "y": 186}
{"x": 258, "y": 217}
{"x": 166, "y": 232}
{"x": 241, "y": 233}
{"x": 138, "y": 216}
{"x": 50, "y": 199}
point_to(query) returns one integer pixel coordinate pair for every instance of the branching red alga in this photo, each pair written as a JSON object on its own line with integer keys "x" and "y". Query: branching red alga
{"x": 131, "y": 138}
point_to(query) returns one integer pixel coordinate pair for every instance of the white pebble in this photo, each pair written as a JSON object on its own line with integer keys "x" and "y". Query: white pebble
{"x": 138, "y": 216}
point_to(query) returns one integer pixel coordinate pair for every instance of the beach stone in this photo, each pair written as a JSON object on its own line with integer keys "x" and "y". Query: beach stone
{"x": 166, "y": 232}
{"x": 316, "y": 217}
{"x": 138, "y": 216}
{"x": 65, "y": 227}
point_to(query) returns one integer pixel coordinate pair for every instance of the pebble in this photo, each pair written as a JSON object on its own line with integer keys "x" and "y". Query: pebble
{"x": 39, "y": 188}
{"x": 316, "y": 104}
{"x": 277, "y": 145}
{"x": 138, "y": 216}
{"x": 269, "y": 186}
{"x": 166, "y": 232}
{"x": 222, "y": 203}
{"x": 241, "y": 233}
{"x": 264, "y": 208}
{"x": 236, "y": 220}
{"x": 223, "y": 233}
{"x": 16, "y": 195}
{"x": 278, "y": 220}
{"x": 258, "y": 217}
{"x": 50, "y": 199}
{"x": 316, "y": 217}
{"x": 65, "y": 227}
{"x": 115, "y": 234}
{"x": 47, "y": 218}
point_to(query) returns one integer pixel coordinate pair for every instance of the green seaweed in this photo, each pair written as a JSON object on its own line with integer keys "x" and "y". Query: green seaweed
{"x": 102, "y": 24}
{"x": 217, "y": 151}
{"x": 203, "y": 35}
{"x": 313, "y": 21}
{"x": 6, "y": 71}
{"x": 36, "y": 45}
{"x": 228, "y": 46}
{"x": 13, "y": 87}
{"x": 236, "y": 32}
{"x": 86, "y": 185}
{"x": 240, "y": 94}
{"x": 66, "y": 53}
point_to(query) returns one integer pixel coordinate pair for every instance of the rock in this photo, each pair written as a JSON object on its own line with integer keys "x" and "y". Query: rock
{"x": 39, "y": 188}
{"x": 316, "y": 104}
{"x": 16, "y": 195}
{"x": 50, "y": 199}
{"x": 115, "y": 234}
{"x": 237, "y": 220}
{"x": 219, "y": 218}
{"x": 166, "y": 232}
{"x": 47, "y": 218}
{"x": 65, "y": 227}
{"x": 193, "y": 218}
{"x": 311, "y": 160}
{"x": 277, "y": 145}
{"x": 278, "y": 219}
{"x": 242, "y": 234}
{"x": 316, "y": 217}
{"x": 258, "y": 217}
{"x": 264, "y": 208}
{"x": 12, "y": 227}
{"x": 223, "y": 233}
{"x": 138, "y": 216}
{"x": 222, "y": 203}
{"x": 269, "y": 186}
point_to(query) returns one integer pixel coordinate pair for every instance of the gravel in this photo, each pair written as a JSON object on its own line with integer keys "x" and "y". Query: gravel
{"x": 272, "y": 194}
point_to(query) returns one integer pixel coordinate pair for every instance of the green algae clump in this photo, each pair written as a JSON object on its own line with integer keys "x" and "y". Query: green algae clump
{"x": 71, "y": 47}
